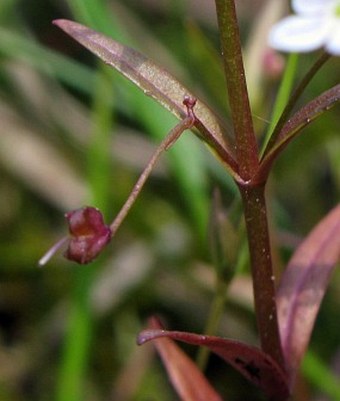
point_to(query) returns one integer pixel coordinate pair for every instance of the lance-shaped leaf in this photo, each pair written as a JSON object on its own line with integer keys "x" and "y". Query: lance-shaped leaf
{"x": 303, "y": 286}
{"x": 258, "y": 367}
{"x": 187, "y": 379}
{"x": 155, "y": 82}
{"x": 295, "y": 124}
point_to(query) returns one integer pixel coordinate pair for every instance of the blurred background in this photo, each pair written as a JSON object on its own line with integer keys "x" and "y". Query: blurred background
{"x": 74, "y": 132}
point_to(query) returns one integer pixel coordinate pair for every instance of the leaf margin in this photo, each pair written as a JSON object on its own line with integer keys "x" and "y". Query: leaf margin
{"x": 239, "y": 355}
{"x": 293, "y": 344}
{"x": 157, "y": 83}
{"x": 303, "y": 117}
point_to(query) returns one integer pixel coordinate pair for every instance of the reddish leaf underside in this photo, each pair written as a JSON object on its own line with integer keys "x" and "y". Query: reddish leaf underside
{"x": 155, "y": 82}
{"x": 187, "y": 379}
{"x": 252, "y": 363}
{"x": 296, "y": 124}
{"x": 303, "y": 286}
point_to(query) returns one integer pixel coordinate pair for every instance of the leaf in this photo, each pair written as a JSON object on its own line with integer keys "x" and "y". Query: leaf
{"x": 295, "y": 125}
{"x": 303, "y": 286}
{"x": 187, "y": 379}
{"x": 271, "y": 141}
{"x": 256, "y": 366}
{"x": 155, "y": 82}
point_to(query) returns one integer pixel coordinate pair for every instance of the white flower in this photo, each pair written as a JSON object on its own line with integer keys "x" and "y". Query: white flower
{"x": 316, "y": 24}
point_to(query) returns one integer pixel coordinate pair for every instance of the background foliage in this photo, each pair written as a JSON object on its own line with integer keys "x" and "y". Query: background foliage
{"x": 73, "y": 132}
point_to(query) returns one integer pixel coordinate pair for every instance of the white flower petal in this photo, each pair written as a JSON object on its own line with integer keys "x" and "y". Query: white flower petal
{"x": 299, "y": 34}
{"x": 333, "y": 43}
{"x": 311, "y": 7}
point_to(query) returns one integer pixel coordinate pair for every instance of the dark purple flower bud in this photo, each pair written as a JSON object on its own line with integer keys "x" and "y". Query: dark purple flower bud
{"x": 89, "y": 234}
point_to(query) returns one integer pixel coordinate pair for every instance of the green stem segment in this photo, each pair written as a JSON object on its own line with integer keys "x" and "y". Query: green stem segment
{"x": 270, "y": 143}
{"x": 216, "y": 312}
{"x": 255, "y": 213}
{"x": 247, "y": 149}
{"x": 282, "y": 96}
{"x": 76, "y": 352}
{"x": 75, "y": 355}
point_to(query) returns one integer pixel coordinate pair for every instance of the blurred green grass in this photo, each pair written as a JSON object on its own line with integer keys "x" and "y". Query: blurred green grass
{"x": 74, "y": 132}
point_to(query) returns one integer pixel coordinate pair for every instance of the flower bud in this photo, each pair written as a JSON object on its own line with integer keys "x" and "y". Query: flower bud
{"x": 89, "y": 234}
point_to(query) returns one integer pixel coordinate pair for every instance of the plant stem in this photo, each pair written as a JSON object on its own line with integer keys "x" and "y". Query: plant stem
{"x": 246, "y": 145}
{"x": 255, "y": 213}
{"x": 253, "y": 196}
{"x": 74, "y": 365}
{"x": 187, "y": 123}
{"x": 215, "y": 314}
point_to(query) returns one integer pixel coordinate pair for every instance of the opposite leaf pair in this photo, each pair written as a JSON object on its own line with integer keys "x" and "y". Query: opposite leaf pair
{"x": 299, "y": 296}
{"x": 283, "y": 337}
{"x": 159, "y": 84}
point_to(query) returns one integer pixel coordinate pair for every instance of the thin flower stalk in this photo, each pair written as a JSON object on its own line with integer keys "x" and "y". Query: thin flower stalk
{"x": 187, "y": 123}
{"x": 89, "y": 235}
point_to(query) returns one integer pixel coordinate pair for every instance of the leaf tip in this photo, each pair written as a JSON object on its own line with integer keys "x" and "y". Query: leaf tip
{"x": 149, "y": 335}
{"x": 59, "y": 22}
{"x": 67, "y": 25}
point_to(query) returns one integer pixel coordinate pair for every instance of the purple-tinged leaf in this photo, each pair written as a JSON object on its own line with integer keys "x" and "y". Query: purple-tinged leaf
{"x": 258, "y": 367}
{"x": 187, "y": 379}
{"x": 155, "y": 82}
{"x": 303, "y": 286}
{"x": 294, "y": 126}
